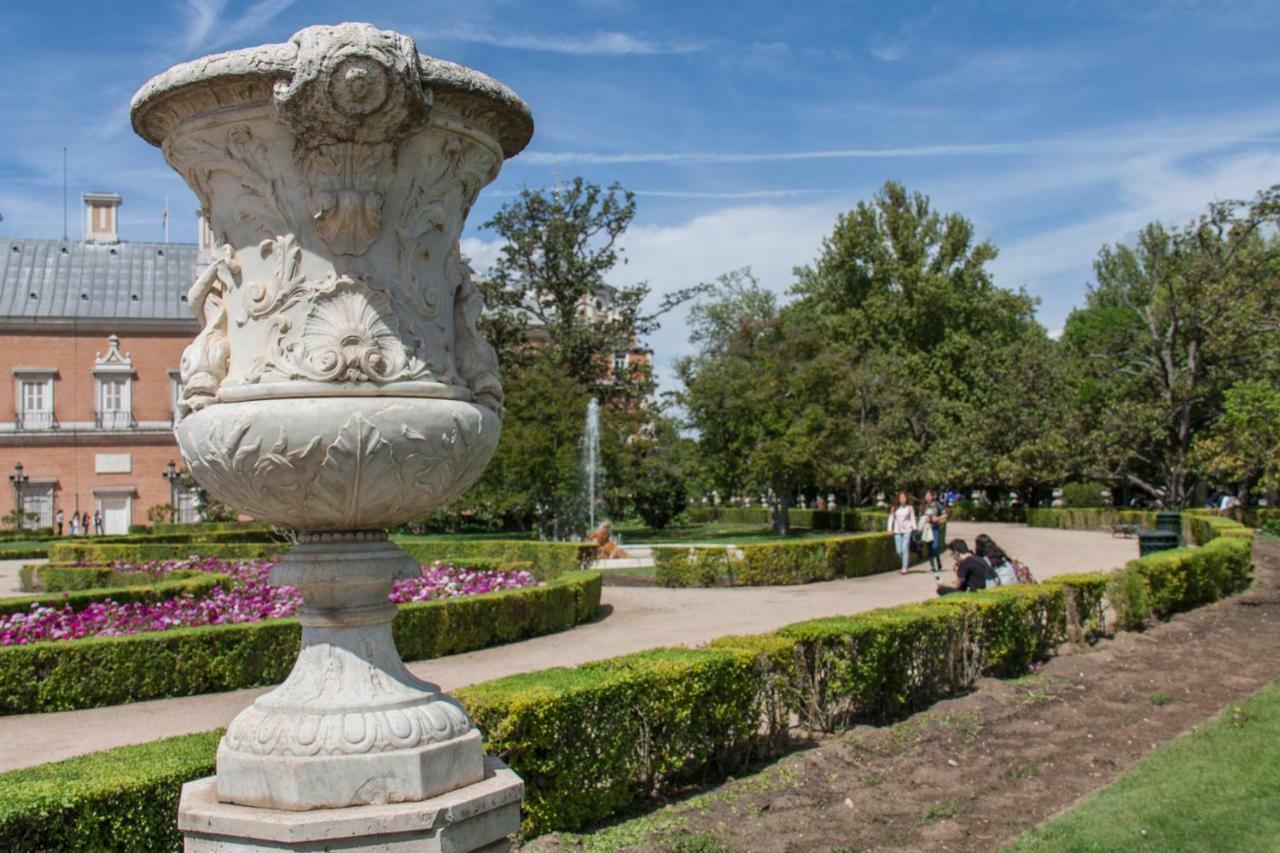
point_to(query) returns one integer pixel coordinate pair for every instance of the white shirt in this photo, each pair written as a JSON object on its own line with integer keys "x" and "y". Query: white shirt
{"x": 902, "y": 519}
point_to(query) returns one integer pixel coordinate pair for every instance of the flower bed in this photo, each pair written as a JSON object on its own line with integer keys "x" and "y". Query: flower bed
{"x": 248, "y": 598}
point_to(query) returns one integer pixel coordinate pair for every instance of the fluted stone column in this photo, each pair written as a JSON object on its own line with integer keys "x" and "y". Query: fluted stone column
{"x": 339, "y": 386}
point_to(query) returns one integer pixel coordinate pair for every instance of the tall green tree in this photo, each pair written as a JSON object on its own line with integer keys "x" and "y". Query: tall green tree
{"x": 1173, "y": 321}
{"x": 548, "y": 296}
{"x": 904, "y": 293}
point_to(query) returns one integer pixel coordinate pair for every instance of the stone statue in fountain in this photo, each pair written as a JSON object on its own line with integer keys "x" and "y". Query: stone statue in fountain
{"x": 339, "y": 386}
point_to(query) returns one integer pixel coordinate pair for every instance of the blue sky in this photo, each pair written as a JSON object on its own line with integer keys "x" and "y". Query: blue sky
{"x": 744, "y": 128}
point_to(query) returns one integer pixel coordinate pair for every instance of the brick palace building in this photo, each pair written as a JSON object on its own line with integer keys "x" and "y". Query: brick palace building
{"x": 91, "y": 333}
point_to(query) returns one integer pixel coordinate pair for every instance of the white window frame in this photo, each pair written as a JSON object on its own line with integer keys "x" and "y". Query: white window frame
{"x": 119, "y": 416}
{"x": 26, "y": 379}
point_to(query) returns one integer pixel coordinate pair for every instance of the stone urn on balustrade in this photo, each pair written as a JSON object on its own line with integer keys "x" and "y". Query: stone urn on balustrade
{"x": 339, "y": 386}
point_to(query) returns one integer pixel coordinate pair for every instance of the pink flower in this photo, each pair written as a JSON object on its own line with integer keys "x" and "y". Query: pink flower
{"x": 250, "y": 598}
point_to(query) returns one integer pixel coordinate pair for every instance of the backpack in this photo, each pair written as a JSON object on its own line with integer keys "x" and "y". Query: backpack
{"x": 1023, "y": 572}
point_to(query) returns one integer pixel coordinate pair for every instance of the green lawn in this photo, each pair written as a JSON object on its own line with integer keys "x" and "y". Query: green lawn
{"x": 1216, "y": 789}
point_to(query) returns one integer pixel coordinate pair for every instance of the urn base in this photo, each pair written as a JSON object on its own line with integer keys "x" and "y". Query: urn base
{"x": 478, "y": 817}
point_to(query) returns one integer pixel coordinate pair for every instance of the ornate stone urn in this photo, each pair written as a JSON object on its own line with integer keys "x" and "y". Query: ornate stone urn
{"x": 338, "y": 387}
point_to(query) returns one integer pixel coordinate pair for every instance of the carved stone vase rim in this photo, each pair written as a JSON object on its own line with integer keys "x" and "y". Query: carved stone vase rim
{"x": 247, "y": 76}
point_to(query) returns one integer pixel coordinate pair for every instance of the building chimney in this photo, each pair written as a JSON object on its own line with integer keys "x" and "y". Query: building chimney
{"x": 204, "y": 238}
{"x": 101, "y": 214}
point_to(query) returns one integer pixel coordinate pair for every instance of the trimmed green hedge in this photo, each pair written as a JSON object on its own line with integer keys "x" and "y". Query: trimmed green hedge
{"x": 89, "y": 673}
{"x": 546, "y": 560}
{"x": 89, "y": 551}
{"x": 696, "y": 566}
{"x": 1092, "y": 518}
{"x": 853, "y": 521}
{"x": 777, "y": 563}
{"x": 660, "y": 719}
{"x": 118, "y": 799}
{"x": 23, "y": 553}
{"x": 1202, "y": 529}
{"x": 193, "y": 583}
{"x": 810, "y": 560}
{"x": 54, "y": 577}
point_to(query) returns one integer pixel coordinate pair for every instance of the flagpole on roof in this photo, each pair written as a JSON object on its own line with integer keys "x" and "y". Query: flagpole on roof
{"x": 64, "y": 193}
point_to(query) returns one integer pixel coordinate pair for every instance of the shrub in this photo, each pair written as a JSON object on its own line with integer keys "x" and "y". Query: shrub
{"x": 52, "y": 577}
{"x": 1084, "y": 495}
{"x": 676, "y": 567}
{"x": 657, "y": 719}
{"x": 78, "y": 551}
{"x": 193, "y": 583}
{"x": 1088, "y": 518}
{"x": 810, "y": 560}
{"x": 88, "y": 673}
{"x": 546, "y": 560}
{"x": 118, "y": 799}
{"x": 1201, "y": 529}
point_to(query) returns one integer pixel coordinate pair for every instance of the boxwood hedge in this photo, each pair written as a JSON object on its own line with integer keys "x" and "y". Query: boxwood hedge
{"x": 592, "y": 740}
{"x": 172, "y": 585}
{"x": 88, "y": 673}
{"x": 767, "y": 564}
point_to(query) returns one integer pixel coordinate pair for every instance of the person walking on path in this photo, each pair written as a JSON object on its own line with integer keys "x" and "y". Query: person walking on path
{"x": 57, "y": 520}
{"x": 902, "y": 523}
{"x": 97, "y": 523}
{"x": 932, "y": 516}
{"x": 75, "y": 523}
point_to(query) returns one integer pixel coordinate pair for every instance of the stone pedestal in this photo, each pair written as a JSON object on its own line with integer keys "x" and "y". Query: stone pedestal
{"x": 478, "y": 817}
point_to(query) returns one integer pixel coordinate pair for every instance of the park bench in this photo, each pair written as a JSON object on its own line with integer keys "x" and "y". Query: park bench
{"x": 1127, "y": 528}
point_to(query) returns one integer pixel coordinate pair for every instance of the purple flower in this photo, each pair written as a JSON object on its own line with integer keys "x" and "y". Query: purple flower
{"x": 250, "y": 598}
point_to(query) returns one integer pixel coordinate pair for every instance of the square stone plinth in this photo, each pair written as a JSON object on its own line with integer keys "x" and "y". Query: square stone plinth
{"x": 477, "y": 817}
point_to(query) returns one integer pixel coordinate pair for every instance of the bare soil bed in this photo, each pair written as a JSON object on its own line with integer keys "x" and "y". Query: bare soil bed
{"x": 972, "y": 773}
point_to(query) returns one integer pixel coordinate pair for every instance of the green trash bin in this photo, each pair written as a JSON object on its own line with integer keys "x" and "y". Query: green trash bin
{"x": 1153, "y": 541}
{"x": 1170, "y": 521}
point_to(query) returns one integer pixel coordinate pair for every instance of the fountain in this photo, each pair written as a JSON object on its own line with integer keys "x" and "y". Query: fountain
{"x": 591, "y": 470}
{"x": 339, "y": 386}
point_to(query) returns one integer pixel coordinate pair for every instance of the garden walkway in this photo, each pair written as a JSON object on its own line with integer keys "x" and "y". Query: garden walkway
{"x": 636, "y": 618}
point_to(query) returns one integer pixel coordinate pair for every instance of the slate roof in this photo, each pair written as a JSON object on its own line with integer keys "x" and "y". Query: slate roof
{"x": 63, "y": 279}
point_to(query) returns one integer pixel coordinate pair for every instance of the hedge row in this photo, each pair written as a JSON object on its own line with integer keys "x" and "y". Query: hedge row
{"x": 192, "y": 536}
{"x": 56, "y": 577}
{"x": 546, "y": 560}
{"x": 666, "y": 717}
{"x": 853, "y": 521}
{"x": 1202, "y": 529}
{"x": 174, "y": 585}
{"x": 89, "y": 551}
{"x": 71, "y": 674}
{"x": 1088, "y": 518}
{"x": 769, "y": 564}
{"x": 24, "y": 553}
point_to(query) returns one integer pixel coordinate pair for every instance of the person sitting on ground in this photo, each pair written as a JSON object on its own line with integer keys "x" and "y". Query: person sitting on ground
{"x": 971, "y": 570}
{"x": 1000, "y": 562}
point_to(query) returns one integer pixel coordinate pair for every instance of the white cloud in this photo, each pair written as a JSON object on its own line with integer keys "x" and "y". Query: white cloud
{"x": 209, "y": 29}
{"x": 607, "y": 43}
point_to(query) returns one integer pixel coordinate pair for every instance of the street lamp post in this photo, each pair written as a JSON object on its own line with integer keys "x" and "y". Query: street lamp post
{"x": 172, "y": 474}
{"x": 18, "y": 479}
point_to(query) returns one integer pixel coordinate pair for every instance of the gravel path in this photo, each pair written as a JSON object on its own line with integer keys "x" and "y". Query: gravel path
{"x": 635, "y": 618}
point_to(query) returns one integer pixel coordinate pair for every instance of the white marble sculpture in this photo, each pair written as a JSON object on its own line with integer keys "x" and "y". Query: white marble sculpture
{"x": 339, "y": 384}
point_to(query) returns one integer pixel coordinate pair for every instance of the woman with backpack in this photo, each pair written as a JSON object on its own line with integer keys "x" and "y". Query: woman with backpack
{"x": 1005, "y": 569}
{"x": 902, "y": 523}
